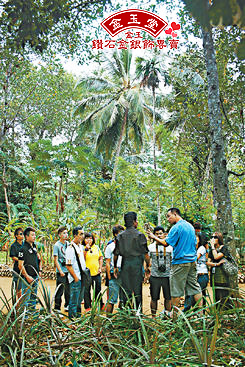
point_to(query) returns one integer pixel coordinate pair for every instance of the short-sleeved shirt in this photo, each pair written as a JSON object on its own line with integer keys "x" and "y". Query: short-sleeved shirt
{"x": 29, "y": 255}
{"x": 183, "y": 240}
{"x": 201, "y": 262}
{"x": 14, "y": 252}
{"x": 72, "y": 260}
{"x": 109, "y": 254}
{"x": 131, "y": 243}
{"x": 155, "y": 263}
{"x": 59, "y": 250}
{"x": 92, "y": 259}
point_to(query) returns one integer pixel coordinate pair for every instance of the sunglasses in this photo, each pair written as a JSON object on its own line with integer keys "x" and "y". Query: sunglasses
{"x": 215, "y": 237}
{"x": 20, "y": 234}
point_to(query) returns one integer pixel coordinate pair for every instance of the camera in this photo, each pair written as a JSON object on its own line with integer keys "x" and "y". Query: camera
{"x": 162, "y": 268}
{"x": 63, "y": 263}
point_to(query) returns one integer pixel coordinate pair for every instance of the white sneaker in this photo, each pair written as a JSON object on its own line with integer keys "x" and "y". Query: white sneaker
{"x": 66, "y": 309}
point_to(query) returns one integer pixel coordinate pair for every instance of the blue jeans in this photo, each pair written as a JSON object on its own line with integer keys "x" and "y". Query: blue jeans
{"x": 189, "y": 300}
{"x": 76, "y": 297}
{"x": 30, "y": 295}
{"x": 115, "y": 290}
{"x": 16, "y": 284}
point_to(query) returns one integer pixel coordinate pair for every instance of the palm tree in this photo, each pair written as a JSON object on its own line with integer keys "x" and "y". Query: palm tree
{"x": 149, "y": 72}
{"x": 114, "y": 105}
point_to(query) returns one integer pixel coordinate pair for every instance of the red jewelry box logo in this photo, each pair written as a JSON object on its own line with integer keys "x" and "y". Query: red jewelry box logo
{"x": 134, "y": 18}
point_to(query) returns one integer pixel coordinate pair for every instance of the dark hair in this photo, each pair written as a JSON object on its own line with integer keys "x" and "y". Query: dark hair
{"x": 158, "y": 228}
{"x": 197, "y": 225}
{"x": 16, "y": 232}
{"x": 202, "y": 239}
{"x": 88, "y": 235}
{"x": 220, "y": 238}
{"x": 28, "y": 230}
{"x": 62, "y": 229}
{"x": 76, "y": 230}
{"x": 174, "y": 210}
{"x": 130, "y": 218}
{"x": 117, "y": 229}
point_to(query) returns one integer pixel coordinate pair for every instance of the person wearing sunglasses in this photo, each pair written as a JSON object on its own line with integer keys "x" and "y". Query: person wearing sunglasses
{"x": 14, "y": 252}
{"x": 218, "y": 278}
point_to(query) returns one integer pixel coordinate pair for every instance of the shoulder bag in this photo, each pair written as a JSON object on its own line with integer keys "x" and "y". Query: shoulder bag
{"x": 230, "y": 267}
{"x": 85, "y": 274}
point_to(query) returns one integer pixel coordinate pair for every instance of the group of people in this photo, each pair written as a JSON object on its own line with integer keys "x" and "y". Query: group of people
{"x": 175, "y": 262}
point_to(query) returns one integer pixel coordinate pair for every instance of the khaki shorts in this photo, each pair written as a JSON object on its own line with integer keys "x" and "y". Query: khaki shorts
{"x": 183, "y": 280}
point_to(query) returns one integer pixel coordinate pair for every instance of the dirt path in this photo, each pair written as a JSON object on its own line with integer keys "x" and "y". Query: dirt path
{"x": 5, "y": 286}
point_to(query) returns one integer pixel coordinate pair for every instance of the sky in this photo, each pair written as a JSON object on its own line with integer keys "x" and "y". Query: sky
{"x": 73, "y": 66}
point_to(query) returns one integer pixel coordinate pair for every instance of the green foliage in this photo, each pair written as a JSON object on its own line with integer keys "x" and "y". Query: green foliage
{"x": 123, "y": 339}
{"x": 108, "y": 202}
{"x": 115, "y": 106}
{"x": 223, "y": 13}
{"x": 58, "y": 165}
{"x": 40, "y": 24}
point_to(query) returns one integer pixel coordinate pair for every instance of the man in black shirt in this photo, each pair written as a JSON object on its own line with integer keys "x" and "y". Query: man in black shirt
{"x": 14, "y": 253}
{"x": 29, "y": 265}
{"x": 132, "y": 246}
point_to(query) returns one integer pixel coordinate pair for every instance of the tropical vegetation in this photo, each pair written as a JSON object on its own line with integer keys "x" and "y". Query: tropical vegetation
{"x": 131, "y": 132}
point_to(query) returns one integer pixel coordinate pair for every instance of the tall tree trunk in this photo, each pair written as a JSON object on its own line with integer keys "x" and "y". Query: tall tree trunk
{"x": 5, "y": 189}
{"x": 119, "y": 145}
{"x": 33, "y": 193}
{"x": 153, "y": 129}
{"x": 221, "y": 194}
{"x": 60, "y": 196}
{"x": 206, "y": 176}
{"x": 154, "y": 153}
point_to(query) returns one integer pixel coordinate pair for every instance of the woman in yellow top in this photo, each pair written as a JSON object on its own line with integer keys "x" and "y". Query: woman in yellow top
{"x": 94, "y": 261}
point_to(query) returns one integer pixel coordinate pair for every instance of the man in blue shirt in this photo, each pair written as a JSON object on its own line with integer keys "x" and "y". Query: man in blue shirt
{"x": 183, "y": 277}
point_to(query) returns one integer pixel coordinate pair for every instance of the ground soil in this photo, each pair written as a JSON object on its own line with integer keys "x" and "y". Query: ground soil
{"x": 5, "y": 286}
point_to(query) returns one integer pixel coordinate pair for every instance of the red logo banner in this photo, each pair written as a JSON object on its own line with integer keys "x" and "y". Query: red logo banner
{"x": 134, "y": 18}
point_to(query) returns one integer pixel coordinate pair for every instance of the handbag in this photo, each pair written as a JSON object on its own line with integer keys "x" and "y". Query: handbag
{"x": 85, "y": 274}
{"x": 230, "y": 267}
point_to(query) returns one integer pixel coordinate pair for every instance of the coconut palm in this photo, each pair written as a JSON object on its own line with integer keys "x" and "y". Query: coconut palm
{"x": 149, "y": 71}
{"x": 114, "y": 105}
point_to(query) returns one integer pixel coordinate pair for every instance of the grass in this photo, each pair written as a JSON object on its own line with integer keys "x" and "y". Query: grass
{"x": 124, "y": 339}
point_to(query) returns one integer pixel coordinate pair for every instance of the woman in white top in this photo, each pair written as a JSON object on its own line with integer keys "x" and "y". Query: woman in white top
{"x": 202, "y": 271}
